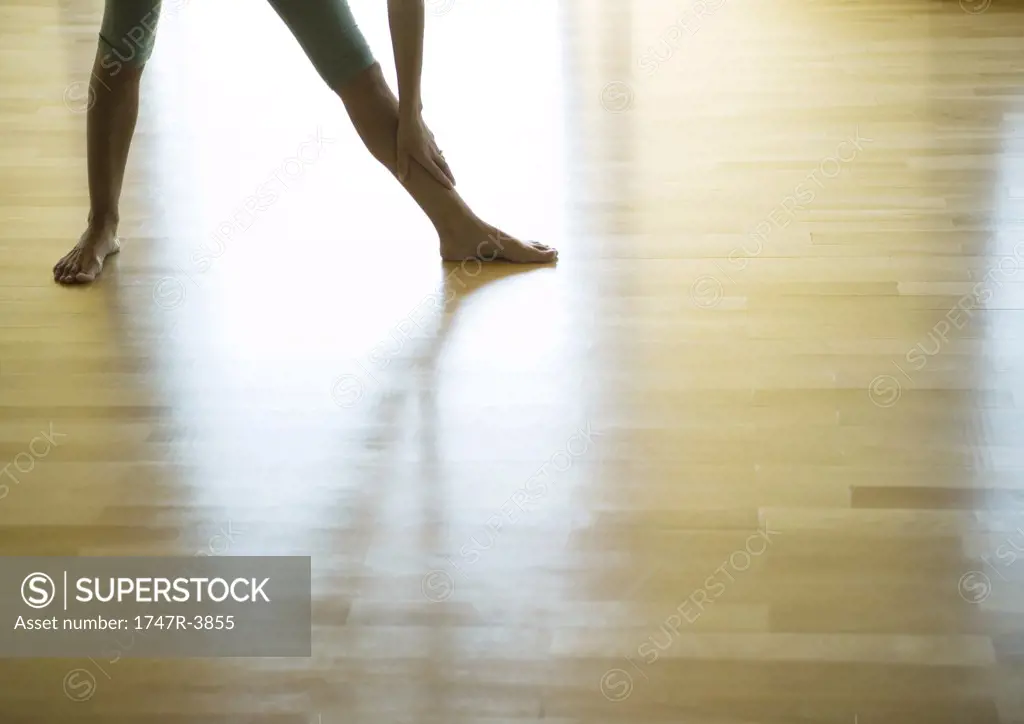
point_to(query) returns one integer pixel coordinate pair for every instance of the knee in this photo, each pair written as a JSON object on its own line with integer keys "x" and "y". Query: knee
{"x": 124, "y": 59}
{"x": 128, "y": 35}
{"x": 371, "y": 106}
{"x": 364, "y": 89}
{"x": 113, "y": 74}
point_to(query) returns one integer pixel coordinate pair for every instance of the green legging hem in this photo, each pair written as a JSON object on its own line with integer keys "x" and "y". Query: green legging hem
{"x": 325, "y": 29}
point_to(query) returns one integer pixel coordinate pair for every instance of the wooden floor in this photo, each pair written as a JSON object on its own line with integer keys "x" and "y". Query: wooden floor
{"x": 751, "y": 453}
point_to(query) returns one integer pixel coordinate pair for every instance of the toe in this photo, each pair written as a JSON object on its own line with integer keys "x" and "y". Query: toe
{"x": 88, "y": 272}
{"x": 541, "y": 255}
{"x": 545, "y": 252}
{"x": 66, "y": 265}
{"x": 71, "y": 271}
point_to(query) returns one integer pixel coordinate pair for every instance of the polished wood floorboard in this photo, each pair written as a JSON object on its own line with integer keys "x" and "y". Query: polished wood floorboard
{"x": 752, "y": 453}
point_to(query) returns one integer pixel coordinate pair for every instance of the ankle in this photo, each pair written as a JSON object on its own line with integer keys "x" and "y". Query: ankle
{"x": 107, "y": 220}
{"x": 457, "y": 225}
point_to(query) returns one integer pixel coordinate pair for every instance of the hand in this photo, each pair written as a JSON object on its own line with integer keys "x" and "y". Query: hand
{"x": 416, "y": 143}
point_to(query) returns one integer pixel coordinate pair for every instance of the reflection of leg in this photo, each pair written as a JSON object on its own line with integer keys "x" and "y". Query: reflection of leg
{"x": 328, "y": 34}
{"x": 126, "y": 42}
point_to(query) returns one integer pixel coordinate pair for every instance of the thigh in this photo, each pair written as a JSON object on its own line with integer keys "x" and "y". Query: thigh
{"x": 327, "y": 32}
{"x": 129, "y": 30}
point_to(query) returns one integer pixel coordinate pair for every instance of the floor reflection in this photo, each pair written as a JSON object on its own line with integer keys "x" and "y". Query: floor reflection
{"x": 264, "y": 313}
{"x": 510, "y": 480}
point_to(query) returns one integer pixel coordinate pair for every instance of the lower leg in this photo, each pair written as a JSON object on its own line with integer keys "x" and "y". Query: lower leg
{"x": 373, "y": 109}
{"x": 110, "y": 128}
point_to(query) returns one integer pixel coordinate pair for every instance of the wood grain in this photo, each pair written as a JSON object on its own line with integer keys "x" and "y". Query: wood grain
{"x": 750, "y": 453}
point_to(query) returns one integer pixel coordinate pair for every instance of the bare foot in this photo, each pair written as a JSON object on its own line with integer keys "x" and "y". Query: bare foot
{"x": 83, "y": 264}
{"x": 488, "y": 243}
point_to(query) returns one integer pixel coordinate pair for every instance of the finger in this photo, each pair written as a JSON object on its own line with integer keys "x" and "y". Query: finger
{"x": 442, "y": 163}
{"x": 434, "y": 170}
{"x": 402, "y": 166}
{"x": 439, "y": 158}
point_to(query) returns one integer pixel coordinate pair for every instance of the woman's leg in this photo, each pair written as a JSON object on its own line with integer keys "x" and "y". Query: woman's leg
{"x": 125, "y": 44}
{"x": 328, "y": 34}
